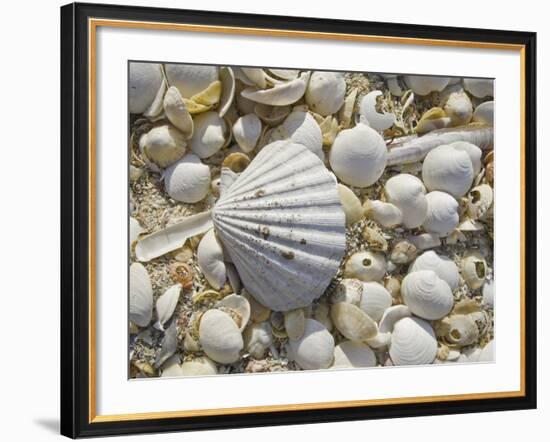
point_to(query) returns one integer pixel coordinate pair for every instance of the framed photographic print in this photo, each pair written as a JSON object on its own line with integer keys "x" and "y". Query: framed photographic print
{"x": 279, "y": 220}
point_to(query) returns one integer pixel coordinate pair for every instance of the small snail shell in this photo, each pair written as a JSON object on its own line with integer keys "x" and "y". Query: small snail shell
{"x": 351, "y": 205}
{"x": 209, "y": 134}
{"x": 413, "y": 342}
{"x": 325, "y": 92}
{"x": 423, "y": 85}
{"x": 463, "y": 330}
{"x": 353, "y": 322}
{"x": 484, "y": 113}
{"x": 358, "y": 156}
{"x": 375, "y": 300}
{"x": 257, "y": 339}
{"x": 443, "y": 267}
{"x": 141, "y": 295}
{"x": 220, "y": 337}
{"x": 188, "y": 180}
{"x": 427, "y": 295}
{"x": 442, "y": 217}
{"x": 448, "y": 169}
{"x": 163, "y": 145}
{"x": 408, "y": 194}
{"x": 210, "y": 260}
{"x": 366, "y": 266}
{"x": 459, "y": 108}
{"x": 145, "y": 81}
{"x": 247, "y": 130}
{"x": 403, "y": 252}
{"x": 386, "y": 214}
{"x": 190, "y": 79}
{"x": 479, "y": 87}
{"x": 183, "y": 274}
{"x": 350, "y": 354}
{"x": 315, "y": 349}
{"x": 201, "y": 366}
{"x": 474, "y": 270}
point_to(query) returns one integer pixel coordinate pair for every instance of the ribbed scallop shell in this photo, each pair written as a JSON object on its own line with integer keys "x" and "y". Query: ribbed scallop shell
{"x": 283, "y": 226}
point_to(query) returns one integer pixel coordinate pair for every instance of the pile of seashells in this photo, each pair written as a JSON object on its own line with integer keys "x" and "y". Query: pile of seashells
{"x": 299, "y": 220}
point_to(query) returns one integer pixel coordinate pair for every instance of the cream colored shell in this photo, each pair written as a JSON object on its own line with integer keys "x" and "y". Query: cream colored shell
{"x": 188, "y": 180}
{"x": 220, "y": 337}
{"x": 247, "y": 130}
{"x": 190, "y": 79}
{"x": 163, "y": 145}
{"x": 325, "y": 92}
{"x": 257, "y": 339}
{"x": 353, "y": 322}
{"x": 366, "y": 266}
{"x": 479, "y": 87}
{"x": 423, "y": 84}
{"x": 351, "y": 205}
{"x": 315, "y": 349}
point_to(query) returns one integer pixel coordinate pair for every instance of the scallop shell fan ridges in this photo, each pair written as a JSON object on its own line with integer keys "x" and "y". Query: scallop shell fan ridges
{"x": 283, "y": 226}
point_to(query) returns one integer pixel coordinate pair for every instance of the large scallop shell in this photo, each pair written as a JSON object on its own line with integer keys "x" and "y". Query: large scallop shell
{"x": 413, "y": 342}
{"x": 283, "y": 226}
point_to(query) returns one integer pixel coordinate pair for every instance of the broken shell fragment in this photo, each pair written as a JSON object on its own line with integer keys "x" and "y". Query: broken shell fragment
{"x": 375, "y": 239}
{"x": 358, "y": 156}
{"x": 315, "y": 349}
{"x": 295, "y": 323}
{"x": 281, "y": 94}
{"x": 391, "y": 316}
{"x": 480, "y": 200}
{"x": 435, "y": 118}
{"x": 239, "y": 307}
{"x": 462, "y": 330}
{"x": 488, "y": 293}
{"x": 348, "y": 290}
{"x": 236, "y": 161}
{"x": 271, "y": 115}
{"x": 353, "y": 322}
{"x": 403, "y": 252}
{"x": 459, "y": 108}
{"x": 474, "y": 270}
{"x": 227, "y": 78}
{"x": 183, "y": 274}
{"x": 366, "y": 266}
{"x": 176, "y": 111}
{"x": 386, "y": 214}
{"x": 257, "y": 339}
{"x": 220, "y": 337}
{"x": 367, "y": 110}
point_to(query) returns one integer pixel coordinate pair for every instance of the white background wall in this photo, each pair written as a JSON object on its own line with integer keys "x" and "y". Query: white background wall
{"x": 29, "y": 219}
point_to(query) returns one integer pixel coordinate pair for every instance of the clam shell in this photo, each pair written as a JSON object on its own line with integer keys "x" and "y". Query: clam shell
{"x": 201, "y": 366}
{"x": 141, "y": 295}
{"x": 479, "y": 87}
{"x": 145, "y": 80}
{"x": 375, "y": 300}
{"x": 366, "y": 266}
{"x": 412, "y": 342}
{"x": 281, "y": 94}
{"x": 283, "y": 226}
{"x": 188, "y": 180}
{"x": 209, "y": 134}
{"x": 176, "y": 111}
{"x": 257, "y": 339}
{"x": 442, "y": 217}
{"x": 172, "y": 368}
{"x": 325, "y": 92}
{"x": 448, "y": 169}
{"x": 247, "y": 130}
{"x": 210, "y": 260}
{"x": 315, "y": 349}
{"x": 285, "y": 74}
{"x": 443, "y": 267}
{"x": 240, "y": 306}
{"x": 166, "y": 304}
{"x": 484, "y": 113}
{"x": 350, "y": 354}
{"x": 423, "y": 84}
{"x": 227, "y": 78}
{"x": 163, "y": 145}
{"x": 301, "y": 128}
{"x": 407, "y": 193}
{"x": 391, "y": 316}
{"x": 190, "y": 79}
{"x": 427, "y": 295}
{"x": 358, "y": 156}
{"x": 354, "y": 323}
{"x": 220, "y": 337}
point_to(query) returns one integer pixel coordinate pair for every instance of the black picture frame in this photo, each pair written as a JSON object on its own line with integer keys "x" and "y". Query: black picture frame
{"x": 75, "y": 219}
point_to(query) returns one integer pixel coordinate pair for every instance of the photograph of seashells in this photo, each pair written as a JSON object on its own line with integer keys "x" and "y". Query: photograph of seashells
{"x": 285, "y": 220}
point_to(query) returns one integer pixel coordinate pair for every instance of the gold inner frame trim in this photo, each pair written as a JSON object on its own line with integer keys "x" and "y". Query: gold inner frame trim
{"x": 93, "y": 24}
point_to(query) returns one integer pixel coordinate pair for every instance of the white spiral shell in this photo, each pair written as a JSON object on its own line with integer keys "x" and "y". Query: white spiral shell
{"x": 358, "y": 156}
{"x": 283, "y": 226}
{"x": 442, "y": 217}
{"x": 407, "y": 193}
{"x": 448, "y": 169}
{"x": 443, "y": 266}
{"x": 426, "y": 294}
{"x": 413, "y": 342}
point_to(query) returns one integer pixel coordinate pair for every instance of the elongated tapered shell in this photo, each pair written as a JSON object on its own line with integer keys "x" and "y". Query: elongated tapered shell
{"x": 283, "y": 226}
